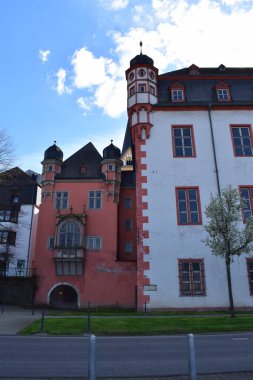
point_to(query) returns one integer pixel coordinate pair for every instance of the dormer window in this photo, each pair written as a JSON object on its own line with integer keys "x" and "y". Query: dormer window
{"x": 223, "y": 92}
{"x": 83, "y": 169}
{"x": 177, "y": 95}
{"x": 177, "y": 92}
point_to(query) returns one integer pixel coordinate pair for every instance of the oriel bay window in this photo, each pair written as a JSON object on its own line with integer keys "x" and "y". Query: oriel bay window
{"x": 69, "y": 254}
{"x": 191, "y": 277}
{"x": 188, "y": 206}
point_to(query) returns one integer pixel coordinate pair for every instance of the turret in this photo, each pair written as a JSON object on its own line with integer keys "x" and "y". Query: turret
{"x": 141, "y": 92}
{"x": 111, "y": 169}
{"x": 51, "y": 165}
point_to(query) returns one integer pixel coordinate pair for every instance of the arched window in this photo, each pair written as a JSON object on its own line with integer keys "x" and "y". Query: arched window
{"x": 69, "y": 235}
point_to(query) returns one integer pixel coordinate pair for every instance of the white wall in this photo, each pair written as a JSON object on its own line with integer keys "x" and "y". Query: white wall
{"x": 169, "y": 241}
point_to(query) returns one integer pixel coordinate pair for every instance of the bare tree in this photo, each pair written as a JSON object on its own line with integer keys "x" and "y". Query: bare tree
{"x": 227, "y": 236}
{"x": 7, "y": 158}
{"x": 6, "y": 151}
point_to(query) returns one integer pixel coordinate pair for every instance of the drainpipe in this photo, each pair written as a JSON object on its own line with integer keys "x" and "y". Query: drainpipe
{"x": 214, "y": 150}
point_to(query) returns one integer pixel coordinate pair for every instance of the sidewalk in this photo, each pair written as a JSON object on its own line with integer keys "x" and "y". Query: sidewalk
{"x": 15, "y": 318}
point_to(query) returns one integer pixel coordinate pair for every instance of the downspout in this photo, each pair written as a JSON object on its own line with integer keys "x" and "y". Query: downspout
{"x": 214, "y": 150}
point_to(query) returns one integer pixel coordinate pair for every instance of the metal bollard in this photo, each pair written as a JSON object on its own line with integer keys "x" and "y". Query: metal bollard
{"x": 88, "y": 320}
{"x": 191, "y": 358}
{"x": 42, "y": 321}
{"x": 92, "y": 358}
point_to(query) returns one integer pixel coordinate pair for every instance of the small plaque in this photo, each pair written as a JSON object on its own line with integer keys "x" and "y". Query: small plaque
{"x": 150, "y": 288}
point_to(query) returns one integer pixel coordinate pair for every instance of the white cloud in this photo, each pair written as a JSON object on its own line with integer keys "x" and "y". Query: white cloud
{"x": 114, "y": 4}
{"x": 43, "y": 55}
{"x": 111, "y": 97}
{"x": 61, "y": 78}
{"x": 174, "y": 33}
{"x": 83, "y": 103}
{"x": 88, "y": 70}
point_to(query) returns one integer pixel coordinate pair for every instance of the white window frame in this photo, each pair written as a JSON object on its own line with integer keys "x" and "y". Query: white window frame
{"x": 61, "y": 202}
{"x": 94, "y": 243}
{"x": 95, "y": 199}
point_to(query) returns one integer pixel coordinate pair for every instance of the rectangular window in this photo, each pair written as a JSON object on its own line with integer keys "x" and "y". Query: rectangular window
{"x": 223, "y": 94}
{"x": 69, "y": 268}
{"x": 250, "y": 274}
{"x": 191, "y": 277}
{"x": 152, "y": 90}
{"x": 9, "y": 216}
{"x": 188, "y": 206}
{"x": 128, "y": 203}
{"x": 247, "y": 204}
{"x": 183, "y": 141}
{"x": 128, "y": 225}
{"x": 242, "y": 140}
{"x": 177, "y": 95}
{"x": 142, "y": 88}
{"x": 94, "y": 243}
{"x": 20, "y": 271}
{"x": 50, "y": 242}
{"x": 61, "y": 200}
{"x": 128, "y": 246}
{"x": 110, "y": 167}
{"x": 131, "y": 91}
{"x": 7, "y": 237}
{"x": 95, "y": 199}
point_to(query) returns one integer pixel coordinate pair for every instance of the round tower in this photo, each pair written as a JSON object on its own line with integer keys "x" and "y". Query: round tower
{"x": 51, "y": 165}
{"x": 141, "y": 93}
{"x": 111, "y": 168}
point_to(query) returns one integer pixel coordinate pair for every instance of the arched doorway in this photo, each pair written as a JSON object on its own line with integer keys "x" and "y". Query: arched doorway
{"x": 63, "y": 297}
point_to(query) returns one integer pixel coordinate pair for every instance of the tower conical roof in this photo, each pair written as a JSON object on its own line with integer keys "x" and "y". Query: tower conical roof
{"x": 53, "y": 153}
{"x": 140, "y": 59}
{"x": 111, "y": 151}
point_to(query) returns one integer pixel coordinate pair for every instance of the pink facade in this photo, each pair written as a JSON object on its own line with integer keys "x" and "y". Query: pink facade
{"x": 77, "y": 258}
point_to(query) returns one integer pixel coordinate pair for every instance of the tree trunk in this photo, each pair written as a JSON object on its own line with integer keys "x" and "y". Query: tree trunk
{"x": 230, "y": 293}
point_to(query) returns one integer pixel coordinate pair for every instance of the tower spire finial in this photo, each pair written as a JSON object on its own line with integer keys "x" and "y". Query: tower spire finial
{"x": 141, "y": 46}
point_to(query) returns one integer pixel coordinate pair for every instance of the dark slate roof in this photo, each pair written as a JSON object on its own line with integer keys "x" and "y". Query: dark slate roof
{"x": 127, "y": 139}
{"x": 200, "y": 88}
{"x": 84, "y": 164}
{"x": 53, "y": 153}
{"x": 140, "y": 59}
{"x": 221, "y": 70}
{"x": 128, "y": 179}
{"x": 15, "y": 175}
{"x": 111, "y": 151}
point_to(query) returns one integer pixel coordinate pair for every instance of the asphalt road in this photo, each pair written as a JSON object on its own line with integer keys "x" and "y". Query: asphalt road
{"x": 42, "y": 356}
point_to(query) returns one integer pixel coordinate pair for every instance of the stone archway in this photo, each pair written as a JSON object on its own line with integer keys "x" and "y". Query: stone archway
{"x": 64, "y": 297}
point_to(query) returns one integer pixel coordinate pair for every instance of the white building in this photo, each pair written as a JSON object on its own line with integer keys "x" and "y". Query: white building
{"x": 19, "y": 200}
{"x": 192, "y": 136}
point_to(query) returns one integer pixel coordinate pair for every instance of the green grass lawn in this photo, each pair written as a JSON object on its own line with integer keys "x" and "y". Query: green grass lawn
{"x": 142, "y": 326}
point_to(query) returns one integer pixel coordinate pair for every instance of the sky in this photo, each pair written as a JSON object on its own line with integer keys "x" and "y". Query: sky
{"x": 63, "y": 62}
